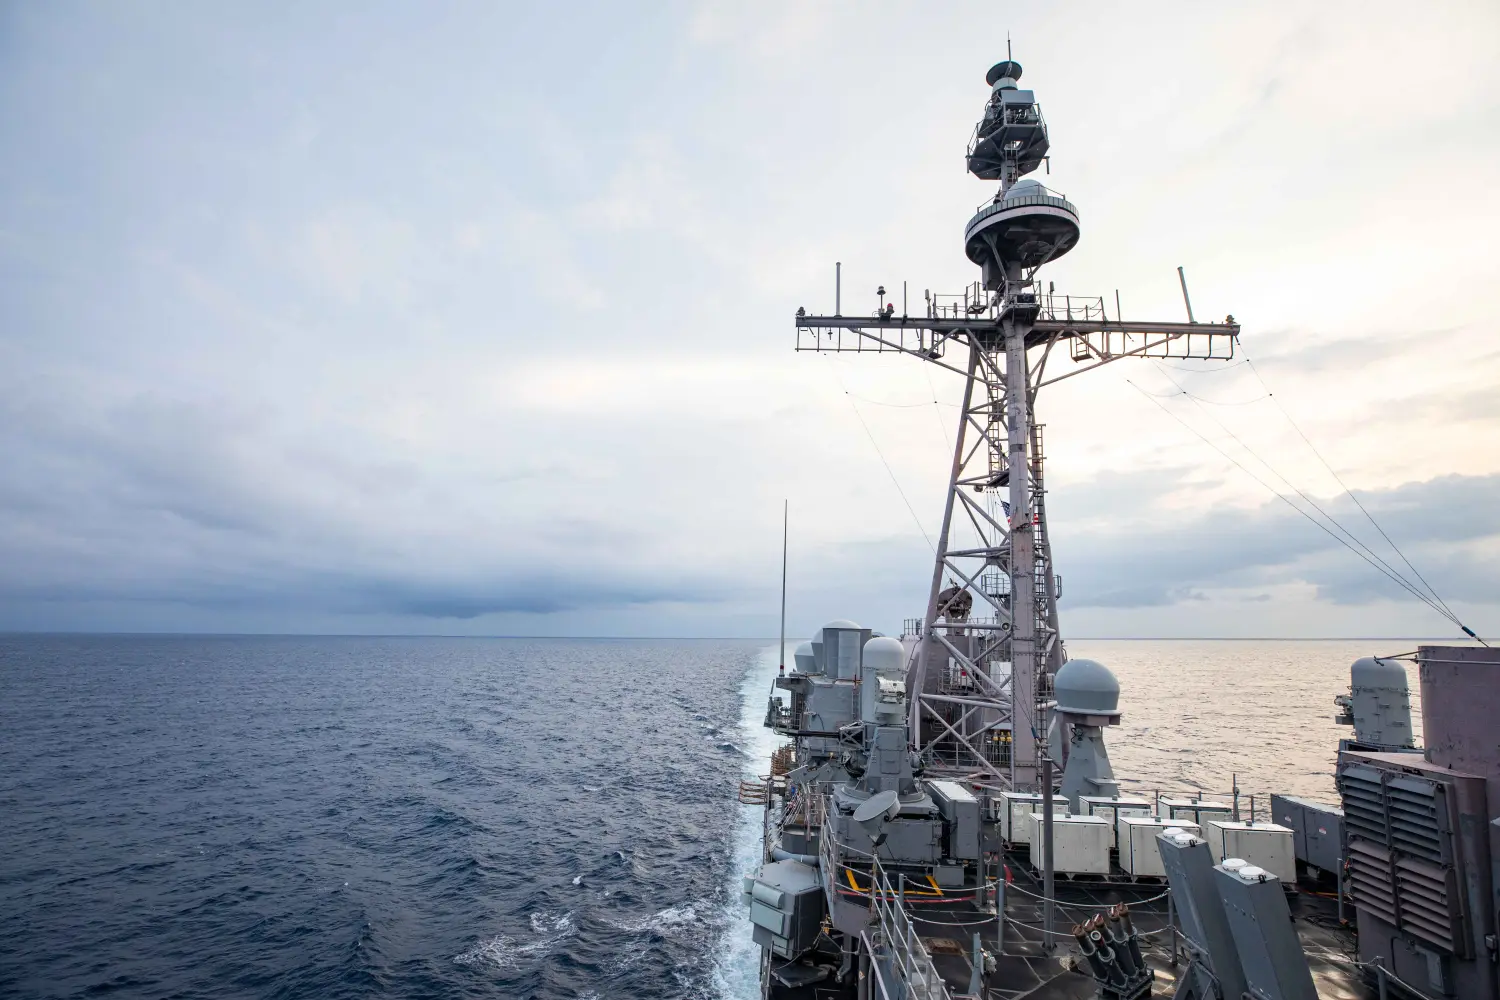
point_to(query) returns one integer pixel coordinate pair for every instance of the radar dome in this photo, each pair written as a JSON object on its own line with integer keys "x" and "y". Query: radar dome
{"x": 1372, "y": 672}
{"x": 1086, "y": 687}
{"x": 884, "y": 655}
{"x": 1027, "y": 189}
{"x": 804, "y": 658}
{"x": 841, "y": 623}
{"x": 1006, "y": 69}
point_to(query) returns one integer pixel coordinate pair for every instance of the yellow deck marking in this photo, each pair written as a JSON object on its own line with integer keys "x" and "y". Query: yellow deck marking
{"x": 911, "y": 889}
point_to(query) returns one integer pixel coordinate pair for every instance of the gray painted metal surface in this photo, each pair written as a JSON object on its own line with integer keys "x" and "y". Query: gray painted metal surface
{"x": 1317, "y": 828}
{"x": 1378, "y": 704}
{"x": 1417, "y": 842}
{"x": 1200, "y": 909}
{"x": 1270, "y": 953}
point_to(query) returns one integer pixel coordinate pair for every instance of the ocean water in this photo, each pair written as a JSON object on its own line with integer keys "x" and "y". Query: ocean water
{"x": 290, "y": 817}
{"x": 428, "y": 817}
{"x": 1200, "y": 715}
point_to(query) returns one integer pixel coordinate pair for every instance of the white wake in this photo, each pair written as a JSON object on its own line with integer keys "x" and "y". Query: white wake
{"x": 737, "y": 968}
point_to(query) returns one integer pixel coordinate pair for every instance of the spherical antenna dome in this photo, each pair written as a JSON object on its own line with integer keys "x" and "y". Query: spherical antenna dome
{"x": 884, "y": 655}
{"x": 1027, "y": 188}
{"x": 1008, "y": 68}
{"x": 841, "y": 623}
{"x": 804, "y": 658}
{"x": 1086, "y": 687}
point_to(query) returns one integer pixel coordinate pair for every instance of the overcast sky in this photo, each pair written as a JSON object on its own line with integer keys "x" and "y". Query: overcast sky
{"x": 478, "y": 318}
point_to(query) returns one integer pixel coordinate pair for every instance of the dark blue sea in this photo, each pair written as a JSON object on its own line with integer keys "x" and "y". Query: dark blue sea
{"x": 425, "y": 817}
{"x": 366, "y": 817}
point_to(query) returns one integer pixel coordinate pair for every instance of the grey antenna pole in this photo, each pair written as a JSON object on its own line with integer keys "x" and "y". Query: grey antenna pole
{"x": 1182, "y": 278}
{"x": 785, "y": 510}
{"x": 1047, "y": 868}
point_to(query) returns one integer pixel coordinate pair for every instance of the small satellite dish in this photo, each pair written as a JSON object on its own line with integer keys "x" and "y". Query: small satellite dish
{"x": 873, "y": 814}
{"x": 878, "y": 808}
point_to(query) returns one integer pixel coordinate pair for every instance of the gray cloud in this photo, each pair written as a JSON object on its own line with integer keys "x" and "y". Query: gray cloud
{"x": 1170, "y": 557}
{"x": 378, "y": 321}
{"x": 1298, "y": 351}
{"x": 165, "y": 502}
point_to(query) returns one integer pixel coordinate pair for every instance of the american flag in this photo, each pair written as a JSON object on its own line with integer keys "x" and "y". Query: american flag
{"x": 1005, "y": 507}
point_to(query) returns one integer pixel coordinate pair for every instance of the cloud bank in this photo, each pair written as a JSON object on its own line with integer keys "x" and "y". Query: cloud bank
{"x": 480, "y": 320}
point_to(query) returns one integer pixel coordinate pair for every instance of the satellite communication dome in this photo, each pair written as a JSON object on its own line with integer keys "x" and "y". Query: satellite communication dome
{"x": 1027, "y": 188}
{"x": 1086, "y": 687}
{"x": 884, "y": 655}
{"x": 841, "y": 623}
{"x": 804, "y": 658}
{"x": 1008, "y": 69}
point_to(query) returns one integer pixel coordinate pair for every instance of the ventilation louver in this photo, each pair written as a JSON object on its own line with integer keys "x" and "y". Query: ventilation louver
{"x": 1400, "y": 854}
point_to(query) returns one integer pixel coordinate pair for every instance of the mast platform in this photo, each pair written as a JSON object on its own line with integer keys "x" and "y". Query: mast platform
{"x": 1093, "y": 338}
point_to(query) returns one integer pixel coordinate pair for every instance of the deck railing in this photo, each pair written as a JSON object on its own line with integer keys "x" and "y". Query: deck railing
{"x": 903, "y": 967}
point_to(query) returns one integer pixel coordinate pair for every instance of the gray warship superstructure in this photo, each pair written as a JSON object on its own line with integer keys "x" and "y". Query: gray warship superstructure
{"x": 943, "y": 819}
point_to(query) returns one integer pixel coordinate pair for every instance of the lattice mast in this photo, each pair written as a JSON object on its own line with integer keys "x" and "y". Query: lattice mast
{"x": 979, "y": 681}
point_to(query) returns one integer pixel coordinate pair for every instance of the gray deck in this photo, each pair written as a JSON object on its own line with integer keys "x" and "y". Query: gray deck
{"x": 1024, "y": 969}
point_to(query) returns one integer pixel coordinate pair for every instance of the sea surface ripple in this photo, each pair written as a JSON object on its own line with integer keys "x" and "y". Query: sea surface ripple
{"x": 353, "y": 817}
{"x": 227, "y": 817}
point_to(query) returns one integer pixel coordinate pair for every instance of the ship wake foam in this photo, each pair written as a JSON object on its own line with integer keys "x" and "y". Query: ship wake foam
{"x": 736, "y": 973}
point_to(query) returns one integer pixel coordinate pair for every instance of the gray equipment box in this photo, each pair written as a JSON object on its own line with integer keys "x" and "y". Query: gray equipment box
{"x": 1317, "y": 830}
{"x": 1271, "y": 955}
{"x": 786, "y": 907}
{"x": 1190, "y": 870}
{"x": 960, "y": 811}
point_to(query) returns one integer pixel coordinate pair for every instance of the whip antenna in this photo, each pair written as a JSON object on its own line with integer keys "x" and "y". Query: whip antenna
{"x": 781, "y": 653}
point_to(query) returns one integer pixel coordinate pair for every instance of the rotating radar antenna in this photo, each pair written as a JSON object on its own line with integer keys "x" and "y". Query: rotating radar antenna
{"x": 979, "y": 679}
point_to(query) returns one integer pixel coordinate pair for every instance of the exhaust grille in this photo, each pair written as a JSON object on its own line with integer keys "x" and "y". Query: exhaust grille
{"x": 1400, "y": 853}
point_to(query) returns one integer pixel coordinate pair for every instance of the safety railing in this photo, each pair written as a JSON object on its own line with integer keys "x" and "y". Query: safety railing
{"x": 827, "y": 861}
{"x": 1213, "y": 343}
{"x": 1049, "y": 200}
{"x": 878, "y": 337}
{"x": 904, "y": 967}
{"x": 1071, "y": 308}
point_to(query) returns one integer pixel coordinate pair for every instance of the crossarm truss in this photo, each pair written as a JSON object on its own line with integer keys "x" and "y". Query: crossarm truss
{"x": 979, "y": 684}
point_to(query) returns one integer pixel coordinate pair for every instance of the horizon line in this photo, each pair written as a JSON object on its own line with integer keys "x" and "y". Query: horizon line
{"x": 696, "y": 638}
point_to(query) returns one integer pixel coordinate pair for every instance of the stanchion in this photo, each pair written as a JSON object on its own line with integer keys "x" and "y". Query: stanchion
{"x": 1172, "y": 926}
{"x": 1000, "y": 910}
